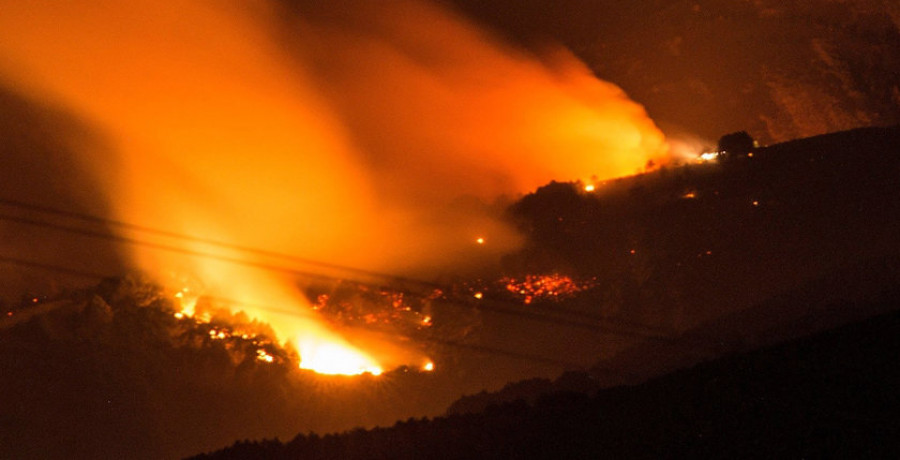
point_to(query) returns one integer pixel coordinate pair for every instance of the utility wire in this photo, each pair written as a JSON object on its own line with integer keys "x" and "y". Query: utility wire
{"x": 492, "y": 304}
{"x": 450, "y": 343}
{"x": 210, "y": 242}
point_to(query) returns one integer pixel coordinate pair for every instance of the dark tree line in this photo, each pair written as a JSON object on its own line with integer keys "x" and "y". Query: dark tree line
{"x": 829, "y": 396}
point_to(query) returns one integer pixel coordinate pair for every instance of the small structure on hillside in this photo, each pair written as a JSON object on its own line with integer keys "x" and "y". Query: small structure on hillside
{"x": 739, "y": 144}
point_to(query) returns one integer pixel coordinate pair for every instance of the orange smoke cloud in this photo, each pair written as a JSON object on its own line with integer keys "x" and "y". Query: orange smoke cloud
{"x": 343, "y": 136}
{"x": 435, "y": 101}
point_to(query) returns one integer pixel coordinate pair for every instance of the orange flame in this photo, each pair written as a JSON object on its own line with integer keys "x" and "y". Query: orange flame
{"x": 223, "y": 126}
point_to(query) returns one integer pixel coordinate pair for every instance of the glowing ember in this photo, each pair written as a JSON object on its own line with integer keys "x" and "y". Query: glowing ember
{"x": 589, "y": 188}
{"x": 428, "y": 367}
{"x": 335, "y": 359}
{"x": 479, "y": 295}
{"x": 261, "y": 355}
{"x": 545, "y": 287}
{"x": 708, "y": 156}
{"x": 187, "y": 300}
{"x": 479, "y": 240}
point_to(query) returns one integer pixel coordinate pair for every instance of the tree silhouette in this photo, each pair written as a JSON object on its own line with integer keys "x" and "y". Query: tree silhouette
{"x": 736, "y": 144}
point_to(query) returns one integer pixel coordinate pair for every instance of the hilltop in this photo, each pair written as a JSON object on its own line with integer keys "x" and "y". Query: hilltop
{"x": 708, "y": 260}
{"x": 638, "y": 278}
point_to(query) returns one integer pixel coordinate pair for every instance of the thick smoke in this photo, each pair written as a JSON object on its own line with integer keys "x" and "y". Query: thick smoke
{"x": 344, "y": 133}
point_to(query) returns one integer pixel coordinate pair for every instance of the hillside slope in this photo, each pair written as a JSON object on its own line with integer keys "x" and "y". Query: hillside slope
{"x": 828, "y": 395}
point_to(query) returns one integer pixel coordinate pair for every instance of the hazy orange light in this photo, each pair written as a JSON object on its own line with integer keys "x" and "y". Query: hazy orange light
{"x": 428, "y": 367}
{"x": 708, "y": 156}
{"x": 589, "y": 188}
{"x": 218, "y": 129}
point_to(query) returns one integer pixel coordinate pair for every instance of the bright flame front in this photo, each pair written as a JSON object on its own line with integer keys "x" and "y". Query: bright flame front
{"x": 334, "y": 358}
{"x": 223, "y": 127}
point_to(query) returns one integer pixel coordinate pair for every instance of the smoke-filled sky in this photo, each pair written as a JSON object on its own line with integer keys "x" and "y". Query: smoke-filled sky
{"x": 780, "y": 69}
{"x": 367, "y": 134}
{"x": 326, "y": 119}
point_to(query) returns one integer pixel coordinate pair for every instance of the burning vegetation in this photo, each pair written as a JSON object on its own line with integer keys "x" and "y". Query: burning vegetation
{"x": 554, "y": 287}
{"x": 268, "y": 141}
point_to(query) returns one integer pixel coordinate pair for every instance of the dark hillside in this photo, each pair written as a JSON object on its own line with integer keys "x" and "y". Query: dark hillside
{"x": 109, "y": 372}
{"x": 685, "y": 244}
{"x": 831, "y": 395}
{"x": 726, "y": 257}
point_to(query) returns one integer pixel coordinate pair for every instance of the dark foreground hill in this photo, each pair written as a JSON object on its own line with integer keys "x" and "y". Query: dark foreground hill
{"x": 110, "y": 372}
{"x": 830, "y": 395}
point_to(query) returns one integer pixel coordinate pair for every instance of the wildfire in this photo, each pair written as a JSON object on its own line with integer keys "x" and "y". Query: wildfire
{"x": 188, "y": 302}
{"x": 334, "y": 358}
{"x": 708, "y": 156}
{"x": 262, "y": 355}
{"x": 320, "y": 350}
{"x": 545, "y": 287}
{"x": 298, "y": 176}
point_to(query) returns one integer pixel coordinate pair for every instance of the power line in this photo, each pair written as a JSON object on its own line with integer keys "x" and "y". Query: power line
{"x": 53, "y": 268}
{"x": 450, "y": 343}
{"x": 206, "y": 241}
{"x": 495, "y": 305}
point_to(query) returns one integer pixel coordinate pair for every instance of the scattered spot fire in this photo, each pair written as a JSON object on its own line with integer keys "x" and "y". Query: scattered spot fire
{"x": 529, "y": 289}
{"x": 552, "y": 287}
{"x": 356, "y": 304}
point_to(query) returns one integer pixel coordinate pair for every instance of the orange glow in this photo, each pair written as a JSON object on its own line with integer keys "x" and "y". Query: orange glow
{"x": 223, "y": 123}
{"x": 553, "y": 287}
{"x": 262, "y": 355}
{"x": 479, "y": 295}
{"x": 589, "y": 188}
{"x": 428, "y": 367}
{"x": 334, "y": 358}
{"x": 708, "y": 156}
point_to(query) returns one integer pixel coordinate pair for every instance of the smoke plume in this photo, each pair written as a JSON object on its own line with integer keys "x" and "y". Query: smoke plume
{"x": 349, "y": 133}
